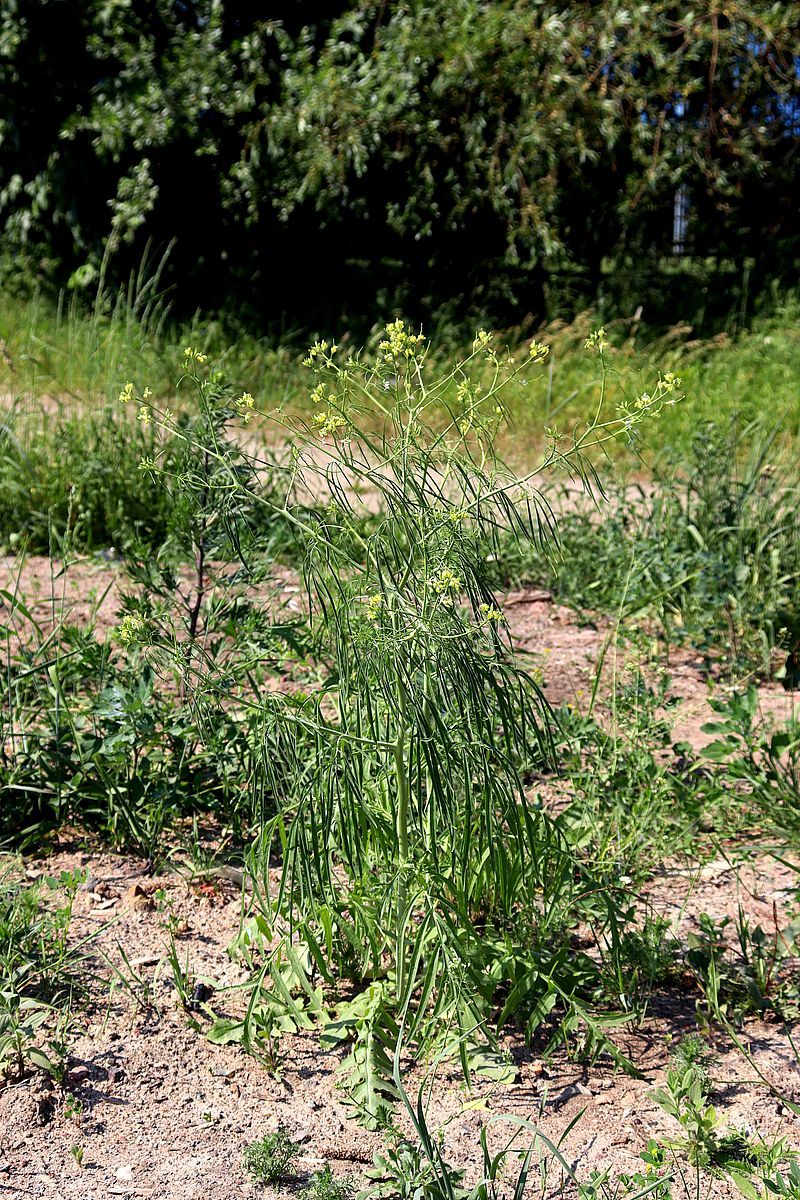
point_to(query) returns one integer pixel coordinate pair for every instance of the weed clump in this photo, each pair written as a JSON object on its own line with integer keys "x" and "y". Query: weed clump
{"x": 324, "y": 1185}
{"x": 271, "y": 1159}
{"x": 693, "y": 1054}
{"x": 39, "y": 973}
{"x": 709, "y": 553}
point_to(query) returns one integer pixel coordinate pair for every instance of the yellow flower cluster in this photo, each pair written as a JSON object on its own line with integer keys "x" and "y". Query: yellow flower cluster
{"x": 128, "y": 393}
{"x": 132, "y": 628}
{"x": 445, "y": 583}
{"x": 468, "y": 392}
{"x": 373, "y": 606}
{"x": 666, "y": 393}
{"x": 318, "y": 395}
{"x": 399, "y": 342}
{"x": 538, "y": 351}
{"x": 320, "y": 350}
{"x": 143, "y": 414}
{"x": 191, "y": 354}
{"x": 329, "y": 422}
{"x": 457, "y": 515}
{"x": 482, "y": 343}
{"x": 596, "y": 340}
{"x": 244, "y": 406}
{"x": 490, "y": 614}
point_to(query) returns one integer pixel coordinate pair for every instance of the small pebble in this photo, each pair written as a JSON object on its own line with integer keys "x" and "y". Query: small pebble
{"x": 569, "y": 1092}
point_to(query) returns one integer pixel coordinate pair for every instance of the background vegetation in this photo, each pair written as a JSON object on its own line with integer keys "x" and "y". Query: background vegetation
{"x": 341, "y": 159}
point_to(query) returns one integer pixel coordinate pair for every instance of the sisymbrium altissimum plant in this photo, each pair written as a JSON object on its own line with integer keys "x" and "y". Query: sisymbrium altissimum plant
{"x": 413, "y": 862}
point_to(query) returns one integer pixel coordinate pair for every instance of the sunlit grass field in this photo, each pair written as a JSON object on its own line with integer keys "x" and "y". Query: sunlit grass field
{"x": 72, "y": 356}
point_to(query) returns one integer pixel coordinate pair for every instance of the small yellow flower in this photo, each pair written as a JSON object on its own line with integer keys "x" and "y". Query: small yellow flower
{"x": 596, "y": 340}
{"x": 445, "y": 583}
{"x": 650, "y": 404}
{"x": 132, "y": 628}
{"x": 143, "y": 414}
{"x": 126, "y": 394}
{"x": 373, "y": 606}
{"x": 538, "y": 351}
{"x": 244, "y": 406}
{"x": 468, "y": 392}
{"x": 400, "y": 343}
{"x": 146, "y": 394}
{"x": 490, "y": 614}
{"x": 329, "y": 422}
{"x": 482, "y": 343}
{"x": 318, "y": 351}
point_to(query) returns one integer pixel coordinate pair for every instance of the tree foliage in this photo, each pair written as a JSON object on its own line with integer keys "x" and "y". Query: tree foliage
{"x": 496, "y": 149}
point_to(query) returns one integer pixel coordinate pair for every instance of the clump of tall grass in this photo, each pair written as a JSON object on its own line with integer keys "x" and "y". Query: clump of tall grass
{"x": 708, "y": 551}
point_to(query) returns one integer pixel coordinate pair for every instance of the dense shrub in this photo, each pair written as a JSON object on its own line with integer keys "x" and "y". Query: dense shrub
{"x": 419, "y": 150}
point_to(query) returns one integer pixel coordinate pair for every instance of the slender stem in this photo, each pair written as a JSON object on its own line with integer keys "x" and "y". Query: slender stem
{"x": 401, "y": 778}
{"x": 200, "y": 566}
{"x": 199, "y": 591}
{"x": 401, "y": 825}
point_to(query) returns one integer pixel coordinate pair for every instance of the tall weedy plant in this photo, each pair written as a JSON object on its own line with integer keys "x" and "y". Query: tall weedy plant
{"x": 207, "y": 610}
{"x": 413, "y": 863}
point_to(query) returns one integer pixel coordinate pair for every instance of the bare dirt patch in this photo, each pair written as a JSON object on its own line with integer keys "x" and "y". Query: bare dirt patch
{"x": 85, "y": 592}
